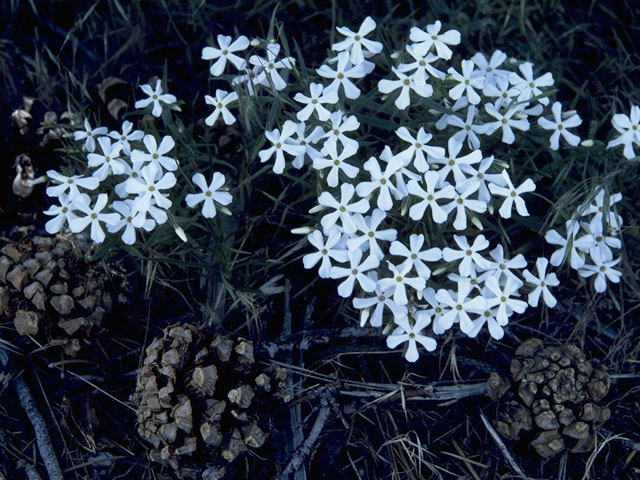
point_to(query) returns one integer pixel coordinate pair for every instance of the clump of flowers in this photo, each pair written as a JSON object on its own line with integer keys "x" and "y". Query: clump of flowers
{"x": 130, "y": 181}
{"x": 400, "y": 222}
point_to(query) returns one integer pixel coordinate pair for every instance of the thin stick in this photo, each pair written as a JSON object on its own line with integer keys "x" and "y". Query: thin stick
{"x": 39, "y": 425}
{"x": 304, "y": 450}
{"x": 503, "y": 448}
{"x": 31, "y": 472}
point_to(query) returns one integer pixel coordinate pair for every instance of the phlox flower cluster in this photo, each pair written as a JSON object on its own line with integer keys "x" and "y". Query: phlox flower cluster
{"x": 438, "y": 173}
{"x": 590, "y": 240}
{"x": 129, "y": 181}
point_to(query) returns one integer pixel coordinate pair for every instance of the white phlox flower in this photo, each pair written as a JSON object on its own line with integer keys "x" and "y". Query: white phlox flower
{"x": 501, "y": 91}
{"x": 226, "y": 52}
{"x": 314, "y": 102}
{"x": 307, "y": 141}
{"x": 468, "y": 130}
{"x": 62, "y": 213}
{"x": 468, "y": 81}
{"x": 210, "y": 194}
{"x": 452, "y": 163}
{"x": 512, "y": 195}
{"x": 402, "y": 175}
{"x": 342, "y": 76}
{"x": 281, "y": 143}
{"x": 109, "y": 162}
{"x": 369, "y": 233}
{"x": 355, "y": 272}
{"x": 411, "y": 334}
{"x": 130, "y": 171}
{"x": 429, "y": 197}
{"x": 156, "y": 154}
{"x": 89, "y": 135}
{"x": 489, "y": 317}
{"x": 470, "y": 259}
{"x": 270, "y": 74}
{"x": 155, "y": 96}
{"x": 381, "y": 300}
{"x": 569, "y": 242}
{"x": 129, "y": 221}
{"x": 399, "y": 281}
{"x": 72, "y": 184}
{"x": 149, "y": 187}
{"x": 559, "y": 127}
{"x": 603, "y": 270}
{"x": 126, "y": 136}
{"x": 502, "y": 299}
{"x": 481, "y": 177}
{"x": 326, "y": 250}
{"x": 92, "y": 216}
{"x": 342, "y": 210}
{"x": 421, "y": 66}
{"x": 356, "y": 42}
{"x": 443, "y": 121}
{"x": 506, "y": 122}
{"x": 418, "y": 148}
{"x": 603, "y": 209}
{"x": 527, "y": 87}
{"x": 489, "y": 68}
{"x": 341, "y": 124}
{"x": 433, "y": 38}
{"x": 461, "y": 202}
{"x": 220, "y": 107}
{"x": 595, "y": 238}
{"x": 336, "y": 162}
{"x": 628, "y": 126}
{"x": 542, "y": 283}
{"x": 380, "y": 181}
{"x": 415, "y": 256}
{"x": 405, "y": 84}
{"x": 457, "y": 307}
{"x": 501, "y": 267}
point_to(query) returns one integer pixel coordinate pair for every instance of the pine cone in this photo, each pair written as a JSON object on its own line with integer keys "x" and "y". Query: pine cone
{"x": 203, "y": 394}
{"x": 552, "y": 398}
{"x": 49, "y": 287}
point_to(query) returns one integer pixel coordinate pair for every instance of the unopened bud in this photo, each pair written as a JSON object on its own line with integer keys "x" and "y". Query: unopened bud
{"x": 302, "y": 230}
{"x": 180, "y": 232}
{"x": 587, "y": 143}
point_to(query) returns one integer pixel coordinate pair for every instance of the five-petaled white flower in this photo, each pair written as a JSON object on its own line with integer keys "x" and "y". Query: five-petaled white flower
{"x": 418, "y": 148}
{"x": 381, "y": 299}
{"x": 542, "y": 283}
{"x": 554, "y": 238}
{"x": 355, "y": 271}
{"x": 468, "y": 130}
{"x": 467, "y": 82}
{"x": 457, "y": 307}
{"x": 70, "y": 183}
{"x": 109, "y": 162}
{"x": 210, "y": 194}
{"x": 469, "y": 256}
{"x": 399, "y": 280}
{"x": 342, "y": 209}
{"x": 356, "y": 41}
{"x": 512, "y": 195}
{"x": 220, "y": 106}
{"x": 226, "y": 52}
{"x": 461, "y": 202}
{"x": 156, "y": 153}
{"x": 415, "y": 256}
{"x": 429, "y": 197}
{"x": 340, "y": 124}
{"x": 433, "y": 38}
{"x": 342, "y": 76}
{"x": 560, "y": 126}
{"x": 315, "y": 102}
{"x": 454, "y": 164}
{"x": 326, "y": 250}
{"x": 506, "y": 122}
{"x": 368, "y": 227}
{"x": 628, "y": 126}
{"x": 405, "y": 84}
{"x": 421, "y": 66}
{"x": 602, "y": 269}
{"x": 412, "y": 334}
{"x": 279, "y": 145}
{"x": 63, "y": 213}
{"x": 93, "y": 216}
{"x": 336, "y": 162}
{"x": 148, "y": 187}
{"x": 527, "y": 87}
{"x": 89, "y": 135}
{"x": 506, "y": 305}
{"x": 127, "y": 135}
{"x": 129, "y": 221}
{"x": 155, "y": 96}
{"x": 269, "y": 75}
{"x": 380, "y": 180}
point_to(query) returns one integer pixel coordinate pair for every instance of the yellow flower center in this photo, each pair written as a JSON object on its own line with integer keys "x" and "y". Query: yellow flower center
{"x": 65, "y": 209}
{"x": 342, "y": 209}
{"x": 336, "y": 131}
{"x": 129, "y": 219}
{"x": 69, "y": 181}
{"x": 466, "y": 82}
{"x": 151, "y": 188}
{"x": 452, "y": 162}
{"x": 467, "y": 127}
{"x": 382, "y": 298}
{"x": 219, "y": 105}
{"x": 434, "y": 37}
{"x": 502, "y": 266}
{"x": 383, "y": 181}
{"x": 278, "y": 145}
{"x": 504, "y": 121}
{"x": 460, "y": 201}
{"x": 225, "y": 51}
{"x": 458, "y": 307}
{"x": 107, "y": 159}
{"x": 430, "y": 197}
{"x": 406, "y": 81}
{"x": 357, "y": 38}
{"x": 414, "y": 256}
{"x": 155, "y": 97}
{"x": 154, "y": 156}
{"x": 324, "y": 251}
{"x": 94, "y": 216}
{"x": 207, "y": 193}
{"x": 270, "y": 66}
{"x": 371, "y": 234}
{"x": 543, "y": 284}
{"x": 513, "y": 193}
{"x": 532, "y": 85}
{"x": 468, "y": 253}
{"x": 422, "y": 63}
{"x": 603, "y": 268}
{"x": 354, "y": 271}
{"x": 412, "y": 335}
{"x": 336, "y": 162}
{"x": 418, "y": 145}
{"x": 398, "y": 279}
{"x": 503, "y": 299}
{"x": 341, "y": 75}
{"x": 560, "y": 127}
{"x": 314, "y": 101}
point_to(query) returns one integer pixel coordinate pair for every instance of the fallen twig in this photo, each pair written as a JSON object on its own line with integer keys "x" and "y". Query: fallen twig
{"x": 304, "y": 450}
{"x": 503, "y": 448}
{"x": 39, "y": 425}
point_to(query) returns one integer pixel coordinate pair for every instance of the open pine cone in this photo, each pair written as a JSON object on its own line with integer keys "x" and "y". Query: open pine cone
{"x": 552, "y": 398}
{"x": 50, "y": 288}
{"x": 200, "y": 394}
